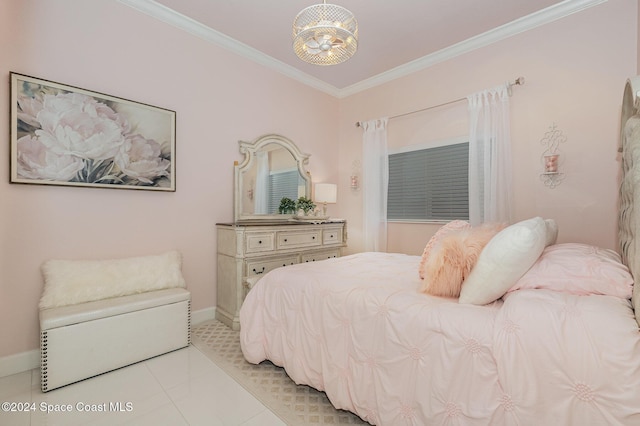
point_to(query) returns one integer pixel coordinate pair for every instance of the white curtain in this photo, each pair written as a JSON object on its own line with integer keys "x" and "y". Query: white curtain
{"x": 375, "y": 180}
{"x": 490, "y": 193}
{"x": 261, "y": 201}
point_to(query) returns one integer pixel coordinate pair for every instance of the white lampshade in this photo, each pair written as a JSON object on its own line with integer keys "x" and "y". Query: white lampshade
{"x": 326, "y": 193}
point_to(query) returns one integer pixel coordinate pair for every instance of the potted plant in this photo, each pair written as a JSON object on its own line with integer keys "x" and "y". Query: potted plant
{"x": 306, "y": 205}
{"x": 287, "y": 206}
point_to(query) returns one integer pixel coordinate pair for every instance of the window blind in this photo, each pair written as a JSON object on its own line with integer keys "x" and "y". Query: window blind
{"x": 429, "y": 184}
{"x": 282, "y": 184}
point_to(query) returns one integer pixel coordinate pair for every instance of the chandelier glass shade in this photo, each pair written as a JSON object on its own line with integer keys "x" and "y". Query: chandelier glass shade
{"x": 325, "y": 34}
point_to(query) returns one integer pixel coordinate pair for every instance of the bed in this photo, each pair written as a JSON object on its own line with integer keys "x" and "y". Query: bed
{"x": 541, "y": 333}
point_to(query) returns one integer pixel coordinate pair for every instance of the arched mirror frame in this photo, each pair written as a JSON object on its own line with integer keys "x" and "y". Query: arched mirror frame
{"x": 250, "y": 150}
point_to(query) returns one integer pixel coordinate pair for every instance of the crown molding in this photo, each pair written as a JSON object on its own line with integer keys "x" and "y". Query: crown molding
{"x": 531, "y": 21}
{"x": 171, "y": 17}
{"x": 526, "y": 23}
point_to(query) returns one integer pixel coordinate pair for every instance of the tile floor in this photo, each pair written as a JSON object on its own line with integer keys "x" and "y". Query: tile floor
{"x": 180, "y": 388}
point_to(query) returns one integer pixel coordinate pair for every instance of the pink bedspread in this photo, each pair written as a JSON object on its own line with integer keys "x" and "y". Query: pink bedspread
{"x": 357, "y": 328}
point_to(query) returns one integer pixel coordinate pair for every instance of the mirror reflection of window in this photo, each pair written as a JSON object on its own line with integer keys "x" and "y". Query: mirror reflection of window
{"x": 284, "y": 183}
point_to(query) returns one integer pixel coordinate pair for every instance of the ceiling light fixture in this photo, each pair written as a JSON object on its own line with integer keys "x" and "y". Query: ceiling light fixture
{"x": 325, "y": 34}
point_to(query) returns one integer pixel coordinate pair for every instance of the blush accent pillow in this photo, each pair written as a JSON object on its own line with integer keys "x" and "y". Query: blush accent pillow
{"x": 504, "y": 260}
{"x": 579, "y": 269}
{"x": 452, "y": 258}
{"x": 454, "y": 225}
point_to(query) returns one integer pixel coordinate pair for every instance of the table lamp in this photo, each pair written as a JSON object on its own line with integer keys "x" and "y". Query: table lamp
{"x": 326, "y": 193}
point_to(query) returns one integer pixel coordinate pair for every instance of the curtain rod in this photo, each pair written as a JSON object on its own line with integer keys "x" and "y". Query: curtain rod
{"x": 517, "y": 82}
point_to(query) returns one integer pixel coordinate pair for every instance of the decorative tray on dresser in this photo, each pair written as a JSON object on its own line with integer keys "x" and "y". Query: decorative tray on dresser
{"x": 248, "y": 250}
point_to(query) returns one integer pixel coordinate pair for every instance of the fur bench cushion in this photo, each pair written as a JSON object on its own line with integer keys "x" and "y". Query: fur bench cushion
{"x": 69, "y": 282}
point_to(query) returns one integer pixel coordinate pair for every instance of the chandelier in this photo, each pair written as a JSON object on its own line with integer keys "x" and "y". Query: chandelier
{"x": 325, "y": 34}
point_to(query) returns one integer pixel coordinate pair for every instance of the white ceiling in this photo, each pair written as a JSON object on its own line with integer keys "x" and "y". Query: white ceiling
{"x": 395, "y": 37}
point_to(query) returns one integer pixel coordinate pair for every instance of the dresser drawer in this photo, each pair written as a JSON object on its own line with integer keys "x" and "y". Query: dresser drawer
{"x": 259, "y": 267}
{"x": 297, "y": 239}
{"x": 248, "y": 251}
{"x": 320, "y": 255}
{"x": 260, "y": 242}
{"x": 332, "y": 236}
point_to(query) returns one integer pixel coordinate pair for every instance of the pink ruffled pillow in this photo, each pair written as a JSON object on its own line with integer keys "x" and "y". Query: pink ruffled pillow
{"x": 454, "y": 225}
{"x": 579, "y": 269}
{"x": 452, "y": 258}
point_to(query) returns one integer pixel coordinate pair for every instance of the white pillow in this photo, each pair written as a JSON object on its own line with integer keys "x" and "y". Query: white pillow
{"x": 69, "y": 282}
{"x": 504, "y": 260}
{"x": 552, "y": 232}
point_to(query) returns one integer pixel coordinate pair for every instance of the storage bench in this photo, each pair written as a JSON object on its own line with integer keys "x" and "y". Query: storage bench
{"x": 82, "y": 340}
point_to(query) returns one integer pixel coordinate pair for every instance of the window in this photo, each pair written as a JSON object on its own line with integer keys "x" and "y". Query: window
{"x": 429, "y": 184}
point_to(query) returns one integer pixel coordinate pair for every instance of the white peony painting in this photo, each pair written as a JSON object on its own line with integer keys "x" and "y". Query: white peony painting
{"x": 63, "y": 135}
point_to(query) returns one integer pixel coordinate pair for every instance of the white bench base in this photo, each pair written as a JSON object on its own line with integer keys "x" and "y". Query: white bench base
{"x": 84, "y": 340}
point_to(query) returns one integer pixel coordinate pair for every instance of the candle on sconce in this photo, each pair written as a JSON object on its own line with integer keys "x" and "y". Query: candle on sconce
{"x": 550, "y": 158}
{"x": 354, "y": 182}
{"x": 551, "y": 163}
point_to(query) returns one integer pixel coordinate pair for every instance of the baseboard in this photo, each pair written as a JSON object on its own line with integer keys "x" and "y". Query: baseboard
{"x": 17, "y": 363}
{"x": 203, "y": 315}
{"x": 25, "y": 361}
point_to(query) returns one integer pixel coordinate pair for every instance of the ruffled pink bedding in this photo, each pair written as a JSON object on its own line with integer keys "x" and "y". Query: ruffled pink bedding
{"x": 357, "y": 328}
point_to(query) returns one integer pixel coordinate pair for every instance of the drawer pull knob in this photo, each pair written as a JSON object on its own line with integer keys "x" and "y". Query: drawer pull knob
{"x": 259, "y": 241}
{"x": 285, "y": 240}
{"x": 258, "y": 272}
{"x": 331, "y": 236}
{"x": 313, "y": 238}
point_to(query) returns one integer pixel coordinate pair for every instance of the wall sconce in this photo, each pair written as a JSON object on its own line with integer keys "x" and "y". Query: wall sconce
{"x": 552, "y": 139}
{"x": 354, "y": 182}
{"x": 354, "y": 179}
{"x": 326, "y": 193}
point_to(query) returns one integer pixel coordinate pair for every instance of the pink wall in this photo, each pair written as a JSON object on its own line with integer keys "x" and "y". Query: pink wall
{"x": 575, "y": 70}
{"x": 219, "y": 98}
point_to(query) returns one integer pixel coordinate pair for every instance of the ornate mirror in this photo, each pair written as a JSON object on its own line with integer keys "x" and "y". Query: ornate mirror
{"x": 273, "y": 168}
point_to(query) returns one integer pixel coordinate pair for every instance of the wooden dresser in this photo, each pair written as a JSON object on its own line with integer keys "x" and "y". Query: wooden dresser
{"x": 247, "y": 251}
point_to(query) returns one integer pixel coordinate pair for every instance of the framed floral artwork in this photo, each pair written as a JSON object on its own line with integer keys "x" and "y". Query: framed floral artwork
{"x": 64, "y": 135}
